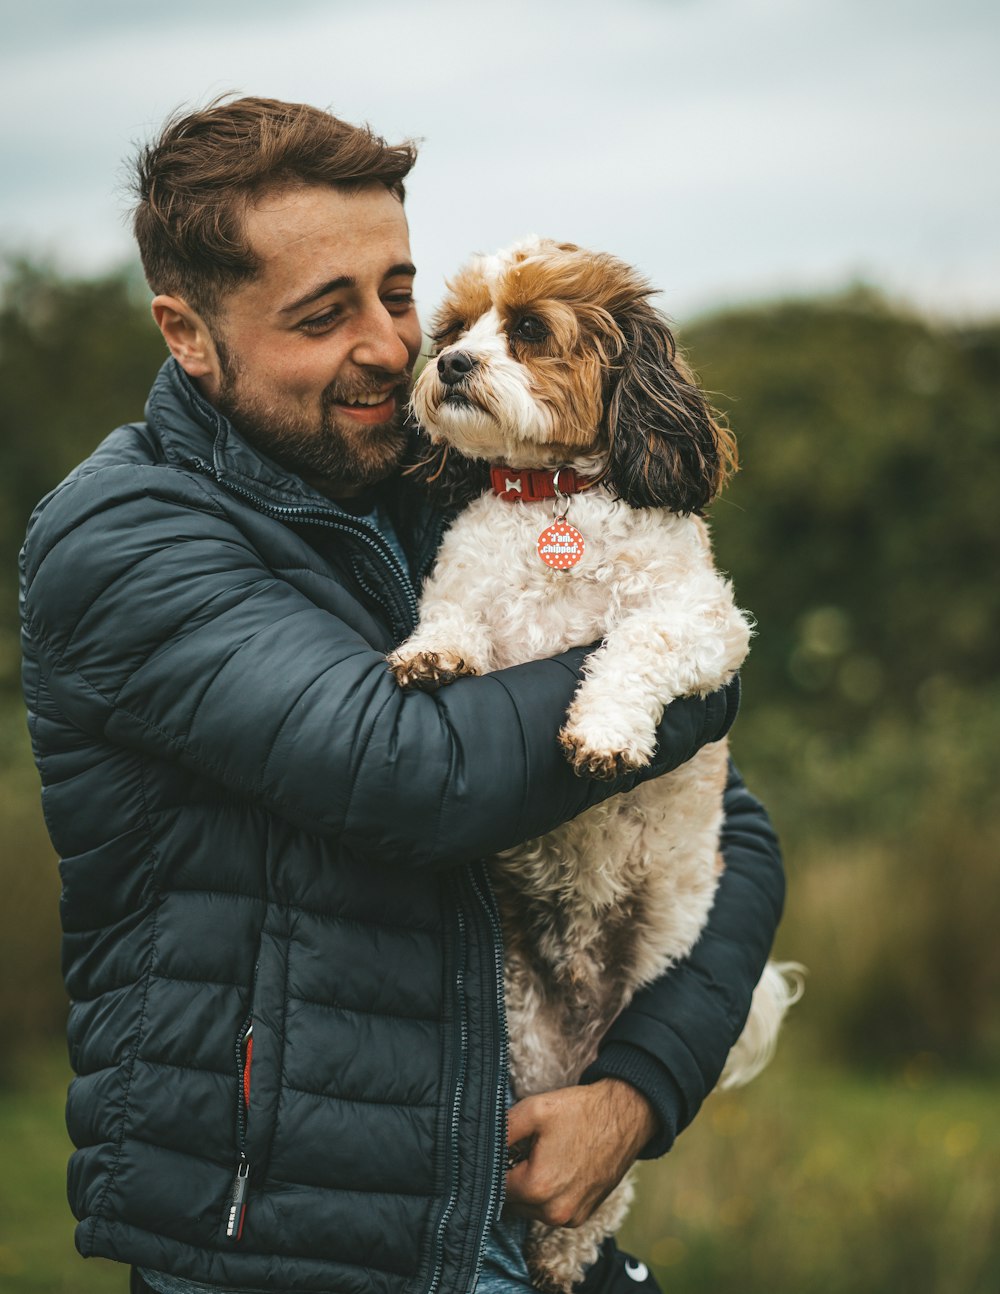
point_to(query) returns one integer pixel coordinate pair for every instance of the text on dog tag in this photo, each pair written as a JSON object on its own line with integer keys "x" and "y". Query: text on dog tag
{"x": 560, "y": 545}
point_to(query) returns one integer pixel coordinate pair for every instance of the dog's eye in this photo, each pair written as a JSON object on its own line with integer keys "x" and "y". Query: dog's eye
{"x": 442, "y": 335}
{"x": 529, "y": 328}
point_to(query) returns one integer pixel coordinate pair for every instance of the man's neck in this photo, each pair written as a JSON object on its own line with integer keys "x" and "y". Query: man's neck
{"x": 335, "y": 490}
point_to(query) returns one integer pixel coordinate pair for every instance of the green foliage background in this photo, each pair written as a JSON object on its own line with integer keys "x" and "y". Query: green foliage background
{"x": 862, "y": 533}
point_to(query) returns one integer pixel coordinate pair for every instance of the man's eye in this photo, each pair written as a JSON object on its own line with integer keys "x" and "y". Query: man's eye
{"x": 398, "y": 302}
{"x": 529, "y": 328}
{"x": 318, "y": 323}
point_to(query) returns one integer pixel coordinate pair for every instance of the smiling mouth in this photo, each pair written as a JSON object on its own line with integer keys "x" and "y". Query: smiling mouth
{"x": 369, "y": 400}
{"x": 369, "y": 409}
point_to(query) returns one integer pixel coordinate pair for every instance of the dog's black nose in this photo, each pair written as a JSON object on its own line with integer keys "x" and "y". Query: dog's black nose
{"x": 454, "y": 366}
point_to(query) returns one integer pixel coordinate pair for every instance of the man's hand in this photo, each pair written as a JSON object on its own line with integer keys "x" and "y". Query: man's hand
{"x": 574, "y": 1145}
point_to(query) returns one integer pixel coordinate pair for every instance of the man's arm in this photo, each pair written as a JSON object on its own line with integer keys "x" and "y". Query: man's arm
{"x": 665, "y": 1052}
{"x": 160, "y": 627}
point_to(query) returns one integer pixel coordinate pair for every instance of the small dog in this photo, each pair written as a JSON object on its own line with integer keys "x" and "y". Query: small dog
{"x": 556, "y": 387}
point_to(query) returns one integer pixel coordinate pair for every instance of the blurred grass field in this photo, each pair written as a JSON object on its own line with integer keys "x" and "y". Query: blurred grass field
{"x": 816, "y": 1181}
{"x": 812, "y": 1181}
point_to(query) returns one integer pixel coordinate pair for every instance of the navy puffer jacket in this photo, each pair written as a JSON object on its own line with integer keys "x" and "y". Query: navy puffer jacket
{"x": 282, "y": 953}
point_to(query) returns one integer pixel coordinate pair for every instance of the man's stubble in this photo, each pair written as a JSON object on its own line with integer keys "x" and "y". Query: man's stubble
{"x": 332, "y": 457}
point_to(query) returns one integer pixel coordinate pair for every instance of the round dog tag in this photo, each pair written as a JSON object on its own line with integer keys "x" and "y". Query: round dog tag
{"x": 560, "y": 545}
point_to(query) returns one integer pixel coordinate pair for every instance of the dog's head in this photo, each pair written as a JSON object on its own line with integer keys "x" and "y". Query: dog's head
{"x": 547, "y": 355}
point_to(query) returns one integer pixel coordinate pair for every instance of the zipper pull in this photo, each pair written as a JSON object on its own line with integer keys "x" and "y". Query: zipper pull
{"x": 238, "y": 1208}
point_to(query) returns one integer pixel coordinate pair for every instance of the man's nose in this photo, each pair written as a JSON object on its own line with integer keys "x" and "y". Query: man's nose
{"x": 454, "y": 366}
{"x": 381, "y": 345}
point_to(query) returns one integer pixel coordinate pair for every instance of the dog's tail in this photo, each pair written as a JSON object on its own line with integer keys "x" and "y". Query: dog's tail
{"x": 781, "y": 985}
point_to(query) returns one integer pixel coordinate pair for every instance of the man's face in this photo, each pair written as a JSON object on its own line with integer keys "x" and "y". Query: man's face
{"x": 316, "y": 352}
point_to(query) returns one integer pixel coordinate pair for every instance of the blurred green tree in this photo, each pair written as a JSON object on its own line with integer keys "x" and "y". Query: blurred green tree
{"x": 862, "y": 529}
{"x": 76, "y": 360}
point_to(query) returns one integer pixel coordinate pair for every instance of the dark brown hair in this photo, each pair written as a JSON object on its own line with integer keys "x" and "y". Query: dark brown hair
{"x": 194, "y": 182}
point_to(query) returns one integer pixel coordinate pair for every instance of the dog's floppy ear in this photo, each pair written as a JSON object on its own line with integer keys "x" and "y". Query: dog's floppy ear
{"x": 445, "y": 475}
{"x": 667, "y": 449}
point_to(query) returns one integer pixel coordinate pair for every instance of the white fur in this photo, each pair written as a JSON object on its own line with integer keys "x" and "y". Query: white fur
{"x": 780, "y": 986}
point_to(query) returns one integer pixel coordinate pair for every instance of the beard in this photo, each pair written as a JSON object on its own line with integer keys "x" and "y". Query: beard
{"x": 326, "y": 450}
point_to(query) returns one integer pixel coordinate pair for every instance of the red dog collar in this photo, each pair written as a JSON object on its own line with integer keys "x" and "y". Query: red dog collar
{"x": 531, "y": 486}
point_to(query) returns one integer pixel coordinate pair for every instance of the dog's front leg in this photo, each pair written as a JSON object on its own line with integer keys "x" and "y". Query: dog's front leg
{"x": 645, "y": 662}
{"x": 444, "y": 648}
{"x": 451, "y": 640}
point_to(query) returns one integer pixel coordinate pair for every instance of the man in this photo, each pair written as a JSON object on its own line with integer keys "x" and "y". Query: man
{"x": 280, "y": 941}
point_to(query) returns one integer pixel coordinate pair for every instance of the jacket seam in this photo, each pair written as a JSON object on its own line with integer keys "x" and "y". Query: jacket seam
{"x": 269, "y": 1180}
{"x": 282, "y": 1081}
{"x": 280, "y": 728}
{"x": 358, "y": 1010}
{"x": 194, "y": 1069}
{"x": 443, "y": 800}
{"x": 524, "y": 756}
{"x": 98, "y": 1069}
{"x": 313, "y": 912}
{"x": 346, "y": 817}
{"x": 33, "y": 721}
{"x": 195, "y": 979}
{"x": 223, "y": 665}
{"x": 227, "y": 984}
{"x": 713, "y": 998}
{"x": 359, "y": 1100}
{"x": 155, "y": 974}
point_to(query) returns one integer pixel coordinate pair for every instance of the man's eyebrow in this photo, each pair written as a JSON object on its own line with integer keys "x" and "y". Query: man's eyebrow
{"x": 321, "y": 290}
{"x": 344, "y": 281}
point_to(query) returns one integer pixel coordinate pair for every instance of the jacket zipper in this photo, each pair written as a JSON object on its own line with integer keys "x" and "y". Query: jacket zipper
{"x": 498, "y": 1184}
{"x": 238, "y": 1205}
{"x": 347, "y": 525}
{"x": 241, "y": 1181}
{"x": 484, "y": 895}
{"x": 455, "y": 1105}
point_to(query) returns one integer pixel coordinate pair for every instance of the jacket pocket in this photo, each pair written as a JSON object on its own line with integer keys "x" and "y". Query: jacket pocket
{"x": 258, "y": 1064}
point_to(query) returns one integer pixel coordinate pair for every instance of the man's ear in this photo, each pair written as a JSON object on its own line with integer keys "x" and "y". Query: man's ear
{"x": 188, "y": 338}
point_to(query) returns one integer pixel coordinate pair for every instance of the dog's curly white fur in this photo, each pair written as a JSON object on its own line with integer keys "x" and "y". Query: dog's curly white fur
{"x": 551, "y": 357}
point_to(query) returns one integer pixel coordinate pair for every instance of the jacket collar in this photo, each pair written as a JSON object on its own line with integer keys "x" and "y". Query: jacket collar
{"x": 195, "y": 434}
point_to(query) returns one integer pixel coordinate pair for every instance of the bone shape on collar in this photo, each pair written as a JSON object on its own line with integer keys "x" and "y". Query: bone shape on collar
{"x": 531, "y": 485}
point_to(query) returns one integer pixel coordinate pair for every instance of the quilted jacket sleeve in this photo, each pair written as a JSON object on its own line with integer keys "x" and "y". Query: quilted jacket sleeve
{"x": 673, "y": 1039}
{"x": 159, "y": 626}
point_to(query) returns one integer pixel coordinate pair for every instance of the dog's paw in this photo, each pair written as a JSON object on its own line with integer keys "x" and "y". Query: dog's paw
{"x": 600, "y": 762}
{"x": 429, "y": 670}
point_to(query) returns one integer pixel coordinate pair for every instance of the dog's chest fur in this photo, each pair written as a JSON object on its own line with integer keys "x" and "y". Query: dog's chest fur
{"x": 535, "y": 611}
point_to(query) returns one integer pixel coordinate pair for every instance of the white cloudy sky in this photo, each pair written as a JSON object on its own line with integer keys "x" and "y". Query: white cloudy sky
{"x": 732, "y": 148}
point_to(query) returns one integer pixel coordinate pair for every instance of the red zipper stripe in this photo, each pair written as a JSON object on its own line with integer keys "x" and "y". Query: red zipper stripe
{"x": 246, "y": 1071}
